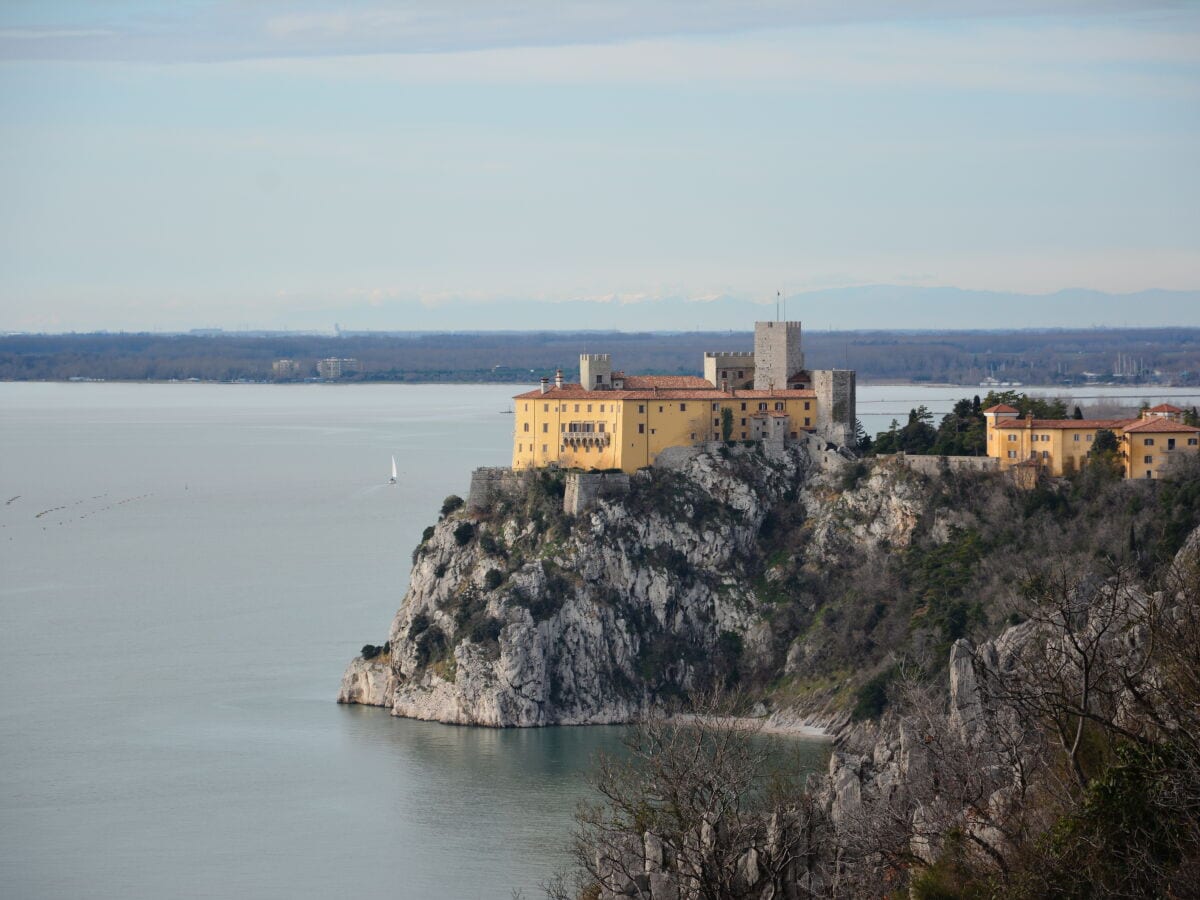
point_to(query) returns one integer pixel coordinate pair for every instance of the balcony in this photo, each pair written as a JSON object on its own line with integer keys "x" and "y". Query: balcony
{"x": 592, "y": 438}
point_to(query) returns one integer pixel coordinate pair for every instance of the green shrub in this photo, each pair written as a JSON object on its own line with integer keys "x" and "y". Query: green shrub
{"x": 493, "y": 579}
{"x": 871, "y": 698}
{"x": 427, "y": 533}
{"x": 463, "y": 533}
{"x": 450, "y": 504}
{"x": 486, "y": 630}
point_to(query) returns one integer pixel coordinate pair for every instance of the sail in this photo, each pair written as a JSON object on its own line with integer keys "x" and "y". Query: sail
{"x": 393, "y": 468}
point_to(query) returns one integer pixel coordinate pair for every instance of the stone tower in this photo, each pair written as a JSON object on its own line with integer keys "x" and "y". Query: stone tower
{"x": 777, "y": 354}
{"x": 595, "y": 371}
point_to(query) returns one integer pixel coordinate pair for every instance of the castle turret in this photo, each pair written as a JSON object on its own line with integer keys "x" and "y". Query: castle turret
{"x": 777, "y": 354}
{"x": 595, "y": 371}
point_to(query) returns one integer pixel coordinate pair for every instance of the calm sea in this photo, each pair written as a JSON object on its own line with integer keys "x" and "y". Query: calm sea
{"x": 184, "y": 572}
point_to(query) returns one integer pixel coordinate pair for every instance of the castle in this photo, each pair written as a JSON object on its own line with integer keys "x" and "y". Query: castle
{"x": 1147, "y": 444}
{"x": 610, "y": 420}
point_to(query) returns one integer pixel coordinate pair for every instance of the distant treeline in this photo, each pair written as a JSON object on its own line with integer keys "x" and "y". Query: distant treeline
{"x": 1134, "y": 356}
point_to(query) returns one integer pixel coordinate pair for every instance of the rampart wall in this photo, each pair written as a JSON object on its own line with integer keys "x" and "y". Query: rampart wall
{"x": 489, "y": 482}
{"x": 583, "y": 489}
{"x": 933, "y": 465}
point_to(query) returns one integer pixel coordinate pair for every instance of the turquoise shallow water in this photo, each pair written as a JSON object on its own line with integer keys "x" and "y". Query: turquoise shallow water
{"x": 184, "y": 572}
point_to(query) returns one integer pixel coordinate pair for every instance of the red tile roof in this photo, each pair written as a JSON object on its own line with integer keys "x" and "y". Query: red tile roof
{"x": 576, "y": 391}
{"x": 1165, "y": 407}
{"x": 666, "y": 382}
{"x": 1112, "y": 424}
{"x": 1001, "y": 408}
{"x": 1158, "y": 425}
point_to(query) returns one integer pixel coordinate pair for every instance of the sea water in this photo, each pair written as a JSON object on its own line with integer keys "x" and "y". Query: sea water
{"x": 185, "y": 571}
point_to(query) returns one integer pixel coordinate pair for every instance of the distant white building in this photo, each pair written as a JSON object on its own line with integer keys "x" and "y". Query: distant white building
{"x": 335, "y": 368}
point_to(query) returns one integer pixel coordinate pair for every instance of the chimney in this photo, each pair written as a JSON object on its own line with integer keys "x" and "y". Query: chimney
{"x": 558, "y": 378}
{"x": 545, "y": 384}
{"x": 725, "y": 385}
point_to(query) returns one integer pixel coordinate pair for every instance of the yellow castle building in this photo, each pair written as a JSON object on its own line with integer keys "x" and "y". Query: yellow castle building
{"x": 610, "y": 420}
{"x": 1148, "y": 444}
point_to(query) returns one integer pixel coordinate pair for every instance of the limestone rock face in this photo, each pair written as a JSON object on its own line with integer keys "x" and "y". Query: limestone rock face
{"x": 517, "y": 615}
{"x": 368, "y": 682}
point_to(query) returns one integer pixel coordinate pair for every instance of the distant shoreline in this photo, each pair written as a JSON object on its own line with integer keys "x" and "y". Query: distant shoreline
{"x": 970, "y": 388}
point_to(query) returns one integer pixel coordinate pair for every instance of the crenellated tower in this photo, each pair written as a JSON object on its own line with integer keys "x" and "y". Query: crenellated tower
{"x": 777, "y": 354}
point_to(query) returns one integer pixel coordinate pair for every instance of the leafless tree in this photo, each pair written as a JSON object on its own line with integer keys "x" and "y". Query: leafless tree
{"x": 700, "y": 802}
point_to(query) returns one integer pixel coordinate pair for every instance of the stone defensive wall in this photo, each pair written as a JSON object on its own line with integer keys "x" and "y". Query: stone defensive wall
{"x": 585, "y": 488}
{"x": 933, "y": 465}
{"x": 490, "y": 482}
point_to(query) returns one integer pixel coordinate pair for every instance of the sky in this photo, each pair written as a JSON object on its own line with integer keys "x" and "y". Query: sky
{"x": 533, "y": 163}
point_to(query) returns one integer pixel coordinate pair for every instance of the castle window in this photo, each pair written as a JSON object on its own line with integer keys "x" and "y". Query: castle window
{"x": 602, "y": 428}
{"x": 716, "y": 406}
{"x": 654, "y": 431}
{"x": 1075, "y": 437}
{"x": 724, "y": 373}
{"x": 660, "y": 409}
{"x": 1045, "y": 454}
{"x": 778, "y": 406}
{"x": 526, "y": 426}
{"x": 641, "y": 428}
{"x": 743, "y": 435}
{"x": 806, "y": 404}
{"x": 589, "y": 407}
{"x": 545, "y": 407}
{"x": 741, "y": 374}
{"x": 543, "y": 448}
{"x": 1012, "y": 437}
{"x": 716, "y": 422}
{"x": 520, "y": 448}
{"x": 795, "y": 434}
{"x": 806, "y": 421}
{"x": 1192, "y": 441}
{"x": 576, "y": 407}
{"x": 762, "y": 407}
{"x": 743, "y": 420}
{"x": 683, "y": 407}
{"x": 601, "y": 407}
{"x": 1147, "y": 459}
{"x": 1089, "y": 437}
{"x": 562, "y": 427}
{"x": 641, "y": 407}
{"x": 693, "y": 435}
{"x": 545, "y": 427}
{"x": 1148, "y": 442}
{"x": 1012, "y": 454}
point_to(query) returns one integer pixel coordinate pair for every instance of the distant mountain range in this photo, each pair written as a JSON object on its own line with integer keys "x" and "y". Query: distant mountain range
{"x": 891, "y": 307}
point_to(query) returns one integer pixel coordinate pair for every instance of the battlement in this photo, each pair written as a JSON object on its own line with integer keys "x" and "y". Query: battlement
{"x": 596, "y": 357}
{"x": 734, "y": 354}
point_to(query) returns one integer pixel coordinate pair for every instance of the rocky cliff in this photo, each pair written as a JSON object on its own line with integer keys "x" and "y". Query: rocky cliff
{"x": 518, "y": 615}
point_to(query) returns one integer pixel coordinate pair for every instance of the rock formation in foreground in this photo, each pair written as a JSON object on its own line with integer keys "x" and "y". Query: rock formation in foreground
{"x": 519, "y": 615}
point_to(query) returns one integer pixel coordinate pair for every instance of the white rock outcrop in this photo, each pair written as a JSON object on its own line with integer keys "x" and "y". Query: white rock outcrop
{"x": 515, "y": 616}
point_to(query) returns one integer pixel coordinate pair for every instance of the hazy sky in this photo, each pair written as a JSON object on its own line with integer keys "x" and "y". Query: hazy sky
{"x": 268, "y": 164}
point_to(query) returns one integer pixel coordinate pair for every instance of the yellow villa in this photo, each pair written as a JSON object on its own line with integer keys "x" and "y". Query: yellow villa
{"x": 610, "y": 420}
{"x": 1148, "y": 443}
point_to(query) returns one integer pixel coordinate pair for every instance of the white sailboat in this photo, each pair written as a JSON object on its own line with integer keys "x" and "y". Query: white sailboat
{"x": 392, "y": 480}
